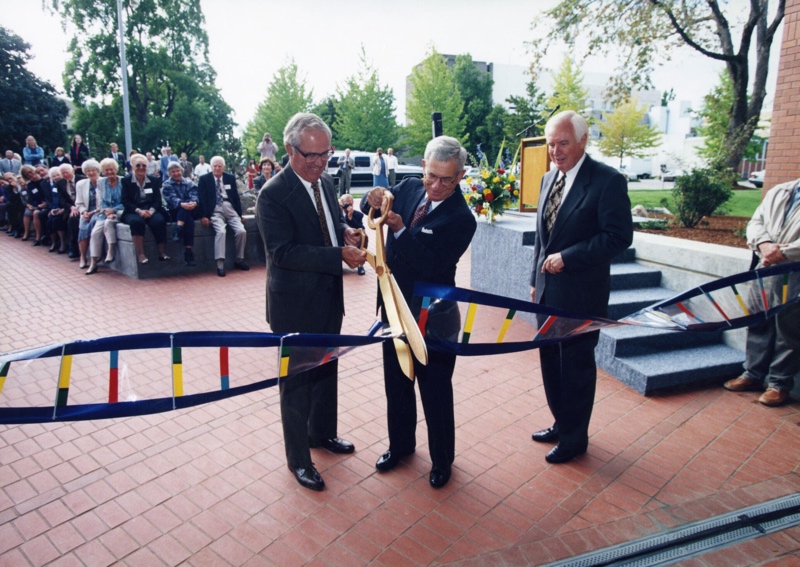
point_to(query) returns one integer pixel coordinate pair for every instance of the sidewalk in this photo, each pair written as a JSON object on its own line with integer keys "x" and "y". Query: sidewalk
{"x": 210, "y": 486}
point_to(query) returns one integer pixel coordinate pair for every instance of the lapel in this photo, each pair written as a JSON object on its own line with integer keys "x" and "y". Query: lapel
{"x": 413, "y": 204}
{"x": 576, "y": 195}
{"x": 302, "y": 202}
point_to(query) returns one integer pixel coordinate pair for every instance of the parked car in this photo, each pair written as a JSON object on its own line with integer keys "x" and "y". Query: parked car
{"x": 362, "y": 171}
{"x": 469, "y": 171}
{"x": 629, "y": 174}
{"x": 671, "y": 174}
{"x": 757, "y": 178}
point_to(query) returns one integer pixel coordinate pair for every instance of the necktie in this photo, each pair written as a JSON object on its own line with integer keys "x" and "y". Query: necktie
{"x": 420, "y": 213}
{"x": 553, "y": 203}
{"x": 323, "y": 222}
{"x": 219, "y": 191}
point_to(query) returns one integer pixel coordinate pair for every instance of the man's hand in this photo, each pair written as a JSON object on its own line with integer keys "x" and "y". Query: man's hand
{"x": 553, "y": 263}
{"x": 375, "y": 197}
{"x": 771, "y": 253}
{"x": 353, "y": 237}
{"x": 394, "y": 221}
{"x": 533, "y": 294}
{"x": 353, "y": 257}
{"x": 205, "y": 222}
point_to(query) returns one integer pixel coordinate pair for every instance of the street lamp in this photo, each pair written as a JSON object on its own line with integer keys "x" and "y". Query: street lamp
{"x": 126, "y": 113}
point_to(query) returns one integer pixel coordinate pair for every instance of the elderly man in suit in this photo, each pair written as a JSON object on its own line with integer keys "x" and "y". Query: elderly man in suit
{"x": 220, "y": 206}
{"x": 430, "y": 228}
{"x": 584, "y": 221}
{"x": 304, "y": 235}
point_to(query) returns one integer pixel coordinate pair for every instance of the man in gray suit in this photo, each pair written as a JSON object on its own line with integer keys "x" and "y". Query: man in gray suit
{"x": 306, "y": 240}
{"x": 584, "y": 220}
{"x": 346, "y": 164}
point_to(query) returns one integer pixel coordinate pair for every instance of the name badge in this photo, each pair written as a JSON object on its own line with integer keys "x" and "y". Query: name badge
{"x": 148, "y": 190}
{"x": 426, "y": 231}
{"x": 24, "y": 192}
{"x": 34, "y": 191}
{"x": 226, "y": 186}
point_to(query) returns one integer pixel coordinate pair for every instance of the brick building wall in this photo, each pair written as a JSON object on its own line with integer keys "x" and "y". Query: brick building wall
{"x": 783, "y": 158}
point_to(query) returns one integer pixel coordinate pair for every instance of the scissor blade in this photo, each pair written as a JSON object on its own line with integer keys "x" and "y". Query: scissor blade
{"x": 410, "y": 327}
{"x": 390, "y": 309}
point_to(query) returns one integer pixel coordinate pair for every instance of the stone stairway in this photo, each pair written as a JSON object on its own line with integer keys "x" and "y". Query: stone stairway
{"x": 649, "y": 360}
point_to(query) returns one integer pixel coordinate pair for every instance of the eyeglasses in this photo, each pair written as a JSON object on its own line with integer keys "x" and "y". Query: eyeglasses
{"x": 140, "y": 166}
{"x": 443, "y": 180}
{"x": 311, "y": 157}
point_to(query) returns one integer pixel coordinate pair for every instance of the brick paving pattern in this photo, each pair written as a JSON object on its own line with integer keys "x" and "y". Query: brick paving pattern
{"x": 209, "y": 485}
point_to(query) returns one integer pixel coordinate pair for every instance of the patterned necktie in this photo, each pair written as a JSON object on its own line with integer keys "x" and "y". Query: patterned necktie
{"x": 553, "y": 203}
{"x": 219, "y": 190}
{"x": 420, "y": 213}
{"x": 323, "y": 222}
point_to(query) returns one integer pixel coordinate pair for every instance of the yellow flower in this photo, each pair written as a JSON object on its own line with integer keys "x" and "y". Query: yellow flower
{"x": 485, "y": 174}
{"x": 516, "y": 193}
{"x": 507, "y": 187}
{"x": 483, "y": 211}
{"x": 496, "y": 180}
{"x": 469, "y": 180}
{"x": 487, "y": 191}
{"x": 512, "y": 177}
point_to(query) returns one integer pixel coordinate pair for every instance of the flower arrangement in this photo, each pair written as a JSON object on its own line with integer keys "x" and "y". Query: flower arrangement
{"x": 494, "y": 189}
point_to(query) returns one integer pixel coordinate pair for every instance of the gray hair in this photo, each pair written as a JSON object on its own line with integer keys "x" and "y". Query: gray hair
{"x": 219, "y": 159}
{"x": 66, "y": 167}
{"x": 138, "y": 158}
{"x": 579, "y": 124}
{"x": 91, "y": 164}
{"x": 54, "y": 170}
{"x": 176, "y": 164}
{"x": 445, "y": 148}
{"x": 301, "y": 122}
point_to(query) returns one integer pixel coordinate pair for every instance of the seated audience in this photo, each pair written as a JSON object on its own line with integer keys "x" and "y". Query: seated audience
{"x": 109, "y": 197}
{"x": 10, "y": 163}
{"x": 181, "y": 197}
{"x": 68, "y": 193}
{"x": 88, "y": 207}
{"x": 268, "y": 168}
{"x": 141, "y": 201}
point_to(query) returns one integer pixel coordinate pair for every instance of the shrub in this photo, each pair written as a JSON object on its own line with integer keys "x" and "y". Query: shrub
{"x": 699, "y": 193}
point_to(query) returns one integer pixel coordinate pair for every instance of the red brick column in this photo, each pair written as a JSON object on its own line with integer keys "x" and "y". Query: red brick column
{"x": 783, "y": 157}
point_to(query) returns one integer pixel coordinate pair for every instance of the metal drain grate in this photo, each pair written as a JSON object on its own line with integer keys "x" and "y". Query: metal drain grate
{"x": 697, "y": 538}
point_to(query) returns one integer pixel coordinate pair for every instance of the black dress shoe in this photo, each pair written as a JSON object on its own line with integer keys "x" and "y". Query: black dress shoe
{"x": 548, "y": 435}
{"x": 559, "y": 454}
{"x": 221, "y": 272}
{"x": 389, "y": 460}
{"x": 36, "y": 242}
{"x": 334, "y": 445}
{"x": 73, "y": 255}
{"x": 439, "y": 477}
{"x": 241, "y": 266}
{"x": 308, "y": 477}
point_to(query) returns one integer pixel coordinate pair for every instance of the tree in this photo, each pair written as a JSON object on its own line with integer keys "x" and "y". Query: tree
{"x": 568, "y": 91}
{"x": 433, "y": 89}
{"x": 475, "y": 87}
{"x": 365, "y": 113}
{"x": 716, "y": 113}
{"x": 651, "y": 31}
{"x": 625, "y": 133}
{"x": 170, "y": 81}
{"x": 286, "y": 96}
{"x": 528, "y": 113}
{"x": 30, "y": 105}
{"x": 327, "y": 110}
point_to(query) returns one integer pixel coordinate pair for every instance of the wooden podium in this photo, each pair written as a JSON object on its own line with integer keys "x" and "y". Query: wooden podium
{"x": 534, "y": 163}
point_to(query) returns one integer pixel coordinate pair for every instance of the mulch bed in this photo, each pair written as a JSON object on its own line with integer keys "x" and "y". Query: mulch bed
{"x": 722, "y": 230}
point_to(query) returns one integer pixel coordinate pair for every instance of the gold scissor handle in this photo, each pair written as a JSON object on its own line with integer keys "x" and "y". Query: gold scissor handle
{"x": 388, "y": 199}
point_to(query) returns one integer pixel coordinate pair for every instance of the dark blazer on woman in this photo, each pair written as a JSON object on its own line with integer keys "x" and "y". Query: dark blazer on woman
{"x": 132, "y": 198}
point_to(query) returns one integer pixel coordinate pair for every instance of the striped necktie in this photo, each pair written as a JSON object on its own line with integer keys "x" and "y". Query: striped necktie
{"x": 553, "y": 203}
{"x": 323, "y": 222}
{"x": 420, "y": 213}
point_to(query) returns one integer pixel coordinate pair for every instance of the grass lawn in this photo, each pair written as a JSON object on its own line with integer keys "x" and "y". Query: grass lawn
{"x": 742, "y": 204}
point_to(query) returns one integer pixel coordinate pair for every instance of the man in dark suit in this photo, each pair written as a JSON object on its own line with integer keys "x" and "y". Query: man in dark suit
{"x": 584, "y": 221}
{"x": 220, "y": 206}
{"x": 430, "y": 227}
{"x": 304, "y": 235}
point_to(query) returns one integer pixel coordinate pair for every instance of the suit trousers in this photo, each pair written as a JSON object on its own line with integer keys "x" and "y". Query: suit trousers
{"x": 569, "y": 374}
{"x": 103, "y": 228}
{"x": 308, "y": 410}
{"x": 773, "y": 350}
{"x": 436, "y": 391}
{"x": 226, "y": 214}
{"x": 157, "y": 224}
{"x": 73, "y": 225}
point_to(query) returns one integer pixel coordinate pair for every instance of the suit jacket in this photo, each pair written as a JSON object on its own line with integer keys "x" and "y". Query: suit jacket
{"x": 10, "y": 166}
{"x": 304, "y": 277}
{"x": 65, "y": 200}
{"x": 207, "y": 193}
{"x": 430, "y": 251}
{"x": 132, "y": 198}
{"x": 593, "y": 225}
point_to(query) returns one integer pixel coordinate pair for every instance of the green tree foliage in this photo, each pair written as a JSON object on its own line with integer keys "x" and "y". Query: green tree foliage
{"x": 646, "y": 32}
{"x": 170, "y": 81}
{"x": 699, "y": 193}
{"x": 433, "y": 89}
{"x": 286, "y": 96}
{"x": 475, "y": 87}
{"x": 365, "y": 114}
{"x": 29, "y": 105}
{"x": 528, "y": 113}
{"x": 625, "y": 133}
{"x": 716, "y": 113}
{"x": 327, "y": 110}
{"x": 568, "y": 91}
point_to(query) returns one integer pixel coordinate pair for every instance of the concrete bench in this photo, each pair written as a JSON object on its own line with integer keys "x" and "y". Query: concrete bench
{"x": 125, "y": 261}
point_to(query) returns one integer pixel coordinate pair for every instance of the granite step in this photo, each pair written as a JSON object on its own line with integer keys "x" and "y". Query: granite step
{"x": 630, "y": 275}
{"x": 624, "y": 302}
{"x": 649, "y": 373}
{"x": 631, "y": 340}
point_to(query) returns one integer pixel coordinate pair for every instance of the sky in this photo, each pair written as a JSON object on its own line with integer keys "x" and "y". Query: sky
{"x": 249, "y": 40}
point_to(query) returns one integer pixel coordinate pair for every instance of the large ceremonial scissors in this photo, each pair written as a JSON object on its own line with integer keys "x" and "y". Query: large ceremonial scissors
{"x": 394, "y": 304}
